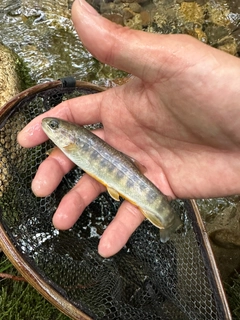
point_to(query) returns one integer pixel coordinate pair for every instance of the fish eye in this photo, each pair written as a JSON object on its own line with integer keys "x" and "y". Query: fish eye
{"x": 53, "y": 124}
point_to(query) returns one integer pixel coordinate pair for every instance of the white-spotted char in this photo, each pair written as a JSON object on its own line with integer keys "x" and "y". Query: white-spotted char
{"x": 116, "y": 171}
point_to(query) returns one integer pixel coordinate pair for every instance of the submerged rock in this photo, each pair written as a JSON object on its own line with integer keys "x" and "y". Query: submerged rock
{"x": 223, "y": 228}
{"x": 10, "y": 83}
{"x": 14, "y": 74}
{"x": 214, "y": 23}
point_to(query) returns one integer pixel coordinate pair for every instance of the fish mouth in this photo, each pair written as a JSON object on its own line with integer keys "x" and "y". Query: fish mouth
{"x": 45, "y": 125}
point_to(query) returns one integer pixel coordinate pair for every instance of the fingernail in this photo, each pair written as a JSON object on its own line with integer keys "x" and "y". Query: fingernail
{"x": 87, "y": 7}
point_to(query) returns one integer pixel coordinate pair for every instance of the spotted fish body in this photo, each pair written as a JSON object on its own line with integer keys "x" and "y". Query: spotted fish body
{"x": 116, "y": 171}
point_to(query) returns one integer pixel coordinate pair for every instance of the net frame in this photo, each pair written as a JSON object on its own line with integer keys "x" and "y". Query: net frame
{"x": 35, "y": 278}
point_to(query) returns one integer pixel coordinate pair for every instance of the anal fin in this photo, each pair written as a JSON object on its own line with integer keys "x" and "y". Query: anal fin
{"x": 113, "y": 193}
{"x": 152, "y": 218}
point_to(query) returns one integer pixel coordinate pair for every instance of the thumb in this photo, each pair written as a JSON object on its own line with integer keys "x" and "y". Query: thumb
{"x": 133, "y": 51}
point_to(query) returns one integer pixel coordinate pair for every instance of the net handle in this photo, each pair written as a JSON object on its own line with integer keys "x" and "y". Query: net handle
{"x": 210, "y": 256}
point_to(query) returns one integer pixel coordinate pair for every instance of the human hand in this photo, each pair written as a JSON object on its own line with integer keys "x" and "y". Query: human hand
{"x": 179, "y": 117}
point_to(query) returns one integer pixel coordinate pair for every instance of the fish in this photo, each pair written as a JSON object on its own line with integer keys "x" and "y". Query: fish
{"x": 120, "y": 174}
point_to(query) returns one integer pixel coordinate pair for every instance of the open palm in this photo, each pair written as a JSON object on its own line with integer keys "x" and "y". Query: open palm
{"x": 179, "y": 116}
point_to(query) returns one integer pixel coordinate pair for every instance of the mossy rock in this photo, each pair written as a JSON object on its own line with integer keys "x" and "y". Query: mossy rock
{"x": 14, "y": 75}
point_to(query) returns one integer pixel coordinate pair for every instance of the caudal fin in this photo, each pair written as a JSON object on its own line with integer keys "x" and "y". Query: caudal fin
{"x": 165, "y": 234}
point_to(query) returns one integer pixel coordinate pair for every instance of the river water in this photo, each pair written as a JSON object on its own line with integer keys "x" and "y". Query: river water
{"x": 42, "y": 34}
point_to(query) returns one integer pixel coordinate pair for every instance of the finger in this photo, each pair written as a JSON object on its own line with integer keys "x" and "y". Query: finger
{"x": 75, "y": 201}
{"x": 134, "y": 51}
{"x": 82, "y": 110}
{"x": 116, "y": 235}
{"x": 50, "y": 173}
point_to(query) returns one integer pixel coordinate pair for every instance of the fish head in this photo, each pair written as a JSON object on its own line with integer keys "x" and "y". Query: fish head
{"x": 51, "y": 123}
{"x": 52, "y": 126}
{"x": 61, "y": 132}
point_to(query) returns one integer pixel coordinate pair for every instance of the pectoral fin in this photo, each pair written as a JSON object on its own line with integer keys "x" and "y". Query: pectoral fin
{"x": 113, "y": 193}
{"x": 140, "y": 166}
{"x": 137, "y": 164}
{"x": 49, "y": 151}
{"x": 70, "y": 147}
{"x": 169, "y": 198}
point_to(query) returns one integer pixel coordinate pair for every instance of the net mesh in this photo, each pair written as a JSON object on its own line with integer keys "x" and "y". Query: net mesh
{"x": 145, "y": 280}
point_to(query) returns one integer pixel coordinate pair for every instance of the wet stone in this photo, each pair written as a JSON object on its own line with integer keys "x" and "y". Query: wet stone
{"x": 234, "y": 5}
{"x": 146, "y": 18}
{"x": 207, "y": 21}
{"x": 107, "y": 7}
{"x": 191, "y": 11}
{"x": 4, "y": 160}
{"x": 225, "y": 238}
{"x": 223, "y": 230}
{"x": 135, "y": 22}
{"x": 5, "y": 171}
{"x": 116, "y": 18}
{"x": 230, "y": 46}
{"x": 9, "y": 80}
{"x": 127, "y": 13}
{"x": 135, "y": 7}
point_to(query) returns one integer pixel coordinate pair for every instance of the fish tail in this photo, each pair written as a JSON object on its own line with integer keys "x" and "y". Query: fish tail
{"x": 165, "y": 234}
